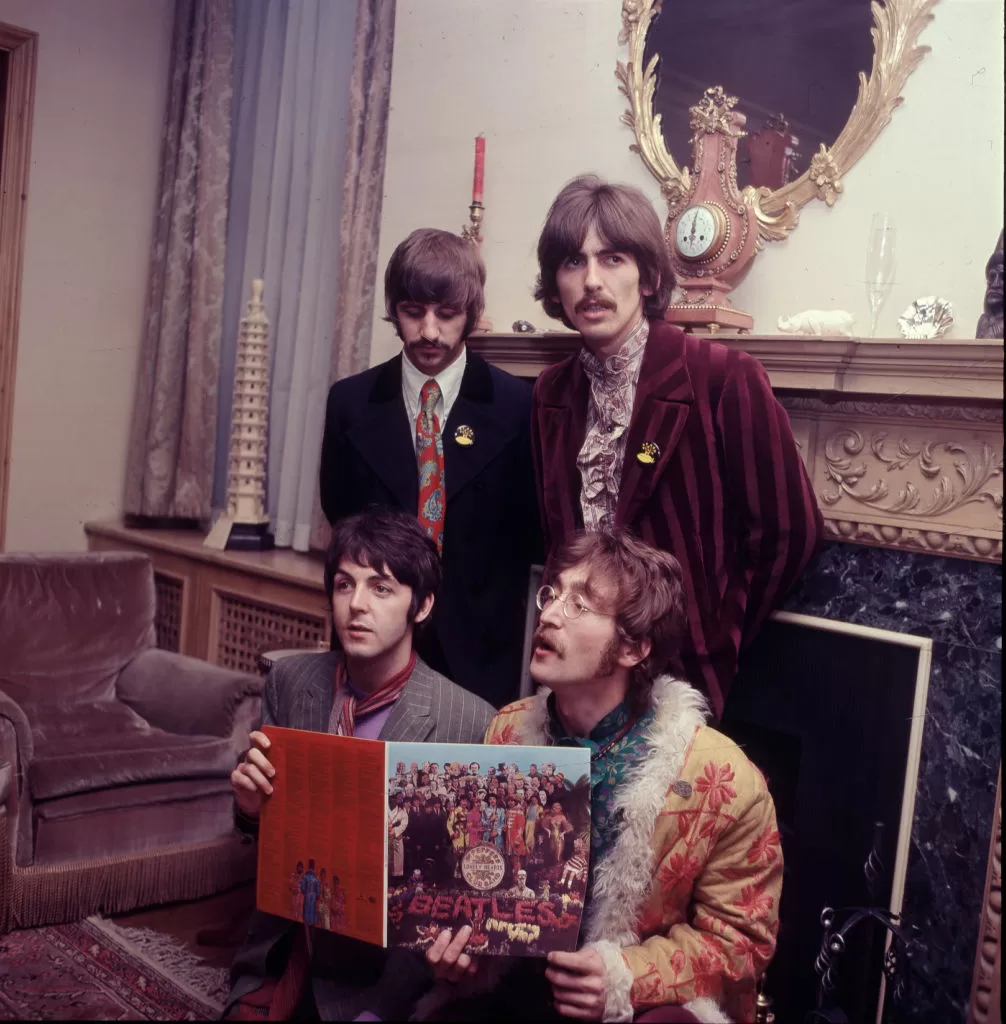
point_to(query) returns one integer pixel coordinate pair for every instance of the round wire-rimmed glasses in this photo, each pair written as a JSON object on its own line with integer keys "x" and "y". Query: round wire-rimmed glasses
{"x": 573, "y": 605}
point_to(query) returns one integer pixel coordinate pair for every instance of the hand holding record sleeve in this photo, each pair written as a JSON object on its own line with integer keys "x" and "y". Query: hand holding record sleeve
{"x": 448, "y": 959}
{"x": 252, "y": 779}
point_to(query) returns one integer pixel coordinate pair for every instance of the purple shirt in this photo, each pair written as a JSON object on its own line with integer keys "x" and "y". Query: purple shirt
{"x": 369, "y": 727}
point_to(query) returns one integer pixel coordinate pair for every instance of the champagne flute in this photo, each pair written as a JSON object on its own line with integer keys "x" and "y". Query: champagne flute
{"x": 879, "y": 265}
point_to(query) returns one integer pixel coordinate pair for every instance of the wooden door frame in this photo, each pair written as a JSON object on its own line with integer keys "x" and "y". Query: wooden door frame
{"x": 21, "y": 47}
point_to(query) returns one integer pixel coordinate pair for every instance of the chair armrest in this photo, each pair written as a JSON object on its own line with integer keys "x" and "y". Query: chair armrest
{"x": 188, "y": 696}
{"x": 16, "y": 745}
{"x": 16, "y": 752}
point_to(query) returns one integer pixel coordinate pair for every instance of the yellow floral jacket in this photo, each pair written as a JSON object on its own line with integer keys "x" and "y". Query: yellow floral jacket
{"x": 685, "y": 906}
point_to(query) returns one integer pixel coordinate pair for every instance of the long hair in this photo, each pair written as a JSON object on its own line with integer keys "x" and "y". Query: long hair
{"x": 391, "y": 539}
{"x": 649, "y": 601}
{"x": 436, "y": 266}
{"x": 625, "y": 219}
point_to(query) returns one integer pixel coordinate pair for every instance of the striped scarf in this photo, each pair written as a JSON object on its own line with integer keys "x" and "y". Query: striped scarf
{"x": 354, "y": 707}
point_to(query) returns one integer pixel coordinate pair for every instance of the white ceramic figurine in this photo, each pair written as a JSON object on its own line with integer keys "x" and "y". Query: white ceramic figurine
{"x": 819, "y": 322}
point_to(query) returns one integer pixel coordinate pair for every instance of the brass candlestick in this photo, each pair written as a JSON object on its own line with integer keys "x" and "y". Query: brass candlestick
{"x": 472, "y": 231}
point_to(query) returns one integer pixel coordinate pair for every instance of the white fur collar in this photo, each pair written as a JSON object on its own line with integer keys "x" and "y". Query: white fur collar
{"x": 624, "y": 878}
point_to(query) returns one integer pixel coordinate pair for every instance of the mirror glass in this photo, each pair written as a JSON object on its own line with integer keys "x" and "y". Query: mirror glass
{"x": 792, "y": 64}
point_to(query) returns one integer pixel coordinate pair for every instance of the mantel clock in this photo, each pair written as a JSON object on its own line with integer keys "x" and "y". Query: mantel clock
{"x": 711, "y": 231}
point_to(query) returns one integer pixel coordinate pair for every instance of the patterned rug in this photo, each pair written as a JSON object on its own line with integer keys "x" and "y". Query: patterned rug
{"x": 95, "y": 970}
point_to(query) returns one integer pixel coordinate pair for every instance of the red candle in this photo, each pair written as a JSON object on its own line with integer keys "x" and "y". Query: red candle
{"x": 480, "y": 168}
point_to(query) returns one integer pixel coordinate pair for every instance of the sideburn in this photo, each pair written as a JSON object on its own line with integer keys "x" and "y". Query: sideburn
{"x": 608, "y": 661}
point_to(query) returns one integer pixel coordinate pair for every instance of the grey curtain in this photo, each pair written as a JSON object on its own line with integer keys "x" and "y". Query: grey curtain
{"x": 312, "y": 81}
{"x": 294, "y": 59}
{"x": 170, "y": 468}
{"x": 363, "y": 189}
{"x": 363, "y": 193}
{"x": 304, "y": 153}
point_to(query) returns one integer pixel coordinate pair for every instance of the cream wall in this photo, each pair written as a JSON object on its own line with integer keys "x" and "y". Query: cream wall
{"x": 537, "y": 76}
{"x": 99, "y": 107}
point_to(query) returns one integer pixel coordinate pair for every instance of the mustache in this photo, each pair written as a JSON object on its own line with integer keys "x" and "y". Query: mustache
{"x": 593, "y": 301}
{"x": 544, "y": 639}
{"x": 427, "y": 341}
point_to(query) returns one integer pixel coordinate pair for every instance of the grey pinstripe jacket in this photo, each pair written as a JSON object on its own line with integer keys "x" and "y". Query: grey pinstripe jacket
{"x": 299, "y": 694}
{"x": 351, "y": 976}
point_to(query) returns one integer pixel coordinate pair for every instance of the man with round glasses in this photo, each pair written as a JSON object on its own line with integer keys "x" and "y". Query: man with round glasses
{"x": 685, "y": 865}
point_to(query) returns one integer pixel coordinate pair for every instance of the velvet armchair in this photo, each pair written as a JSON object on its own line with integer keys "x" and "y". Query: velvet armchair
{"x": 115, "y": 756}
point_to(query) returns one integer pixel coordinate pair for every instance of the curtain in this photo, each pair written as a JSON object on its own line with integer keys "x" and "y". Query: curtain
{"x": 292, "y": 78}
{"x": 171, "y": 457}
{"x": 363, "y": 192}
{"x": 312, "y": 81}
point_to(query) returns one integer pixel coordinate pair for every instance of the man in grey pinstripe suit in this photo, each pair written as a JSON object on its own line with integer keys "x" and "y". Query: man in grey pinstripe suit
{"x": 381, "y": 575}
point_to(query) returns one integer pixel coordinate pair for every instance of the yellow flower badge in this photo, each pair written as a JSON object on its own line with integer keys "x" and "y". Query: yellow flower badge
{"x": 648, "y": 453}
{"x": 464, "y": 436}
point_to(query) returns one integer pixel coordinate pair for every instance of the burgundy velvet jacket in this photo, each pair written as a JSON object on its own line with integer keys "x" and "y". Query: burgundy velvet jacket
{"x": 728, "y": 495}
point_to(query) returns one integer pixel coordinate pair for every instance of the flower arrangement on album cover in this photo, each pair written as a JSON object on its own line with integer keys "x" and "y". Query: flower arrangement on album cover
{"x": 393, "y": 842}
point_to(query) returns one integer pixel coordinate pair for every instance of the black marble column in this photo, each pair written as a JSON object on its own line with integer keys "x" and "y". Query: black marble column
{"x": 958, "y": 604}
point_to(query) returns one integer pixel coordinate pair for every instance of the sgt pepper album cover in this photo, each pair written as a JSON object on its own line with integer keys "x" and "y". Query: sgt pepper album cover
{"x": 491, "y": 836}
{"x": 393, "y": 842}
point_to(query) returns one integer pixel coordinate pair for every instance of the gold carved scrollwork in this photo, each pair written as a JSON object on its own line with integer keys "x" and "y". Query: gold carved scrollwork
{"x": 973, "y": 474}
{"x": 825, "y": 176}
{"x": 632, "y": 11}
{"x": 637, "y": 85}
{"x": 712, "y": 114}
{"x": 897, "y": 24}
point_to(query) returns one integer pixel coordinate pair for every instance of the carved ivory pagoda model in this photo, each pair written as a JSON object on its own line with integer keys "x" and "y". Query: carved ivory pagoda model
{"x": 245, "y": 525}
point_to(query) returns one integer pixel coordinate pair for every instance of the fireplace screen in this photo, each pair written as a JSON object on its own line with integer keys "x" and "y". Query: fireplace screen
{"x": 832, "y": 713}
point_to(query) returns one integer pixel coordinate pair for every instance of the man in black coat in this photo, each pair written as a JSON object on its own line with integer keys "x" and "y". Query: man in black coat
{"x": 438, "y": 431}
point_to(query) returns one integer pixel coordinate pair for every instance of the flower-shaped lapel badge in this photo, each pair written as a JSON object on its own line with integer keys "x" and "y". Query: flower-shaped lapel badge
{"x": 464, "y": 436}
{"x": 648, "y": 453}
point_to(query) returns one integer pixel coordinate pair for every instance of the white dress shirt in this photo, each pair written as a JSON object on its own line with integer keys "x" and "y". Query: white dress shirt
{"x": 449, "y": 380}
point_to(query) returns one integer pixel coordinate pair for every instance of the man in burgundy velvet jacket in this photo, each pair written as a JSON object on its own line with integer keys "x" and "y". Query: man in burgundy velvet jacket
{"x": 674, "y": 436}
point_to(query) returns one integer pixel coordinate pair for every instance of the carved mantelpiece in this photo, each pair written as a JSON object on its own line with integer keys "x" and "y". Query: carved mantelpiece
{"x": 926, "y": 476}
{"x": 903, "y": 440}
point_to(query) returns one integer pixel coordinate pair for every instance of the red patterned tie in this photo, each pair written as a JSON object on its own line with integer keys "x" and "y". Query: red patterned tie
{"x": 430, "y": 455}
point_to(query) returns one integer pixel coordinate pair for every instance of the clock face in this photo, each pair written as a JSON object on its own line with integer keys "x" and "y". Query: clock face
{"x": 699, "y": 232}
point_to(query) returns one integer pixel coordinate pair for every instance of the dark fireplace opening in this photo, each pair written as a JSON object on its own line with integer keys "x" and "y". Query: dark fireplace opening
{"x": 832, "y": 714}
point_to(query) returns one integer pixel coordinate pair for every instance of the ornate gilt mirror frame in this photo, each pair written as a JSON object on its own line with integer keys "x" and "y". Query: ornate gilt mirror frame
{"x": 897, "y": 24}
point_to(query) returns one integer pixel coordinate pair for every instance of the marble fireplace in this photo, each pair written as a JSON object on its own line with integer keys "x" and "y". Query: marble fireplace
{"x": 834, "y": 714}
{"x": 903, "y": 442}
